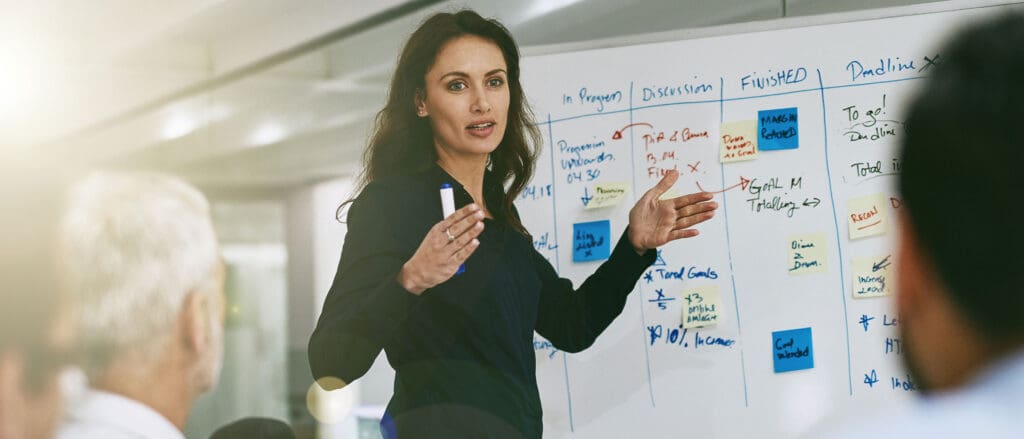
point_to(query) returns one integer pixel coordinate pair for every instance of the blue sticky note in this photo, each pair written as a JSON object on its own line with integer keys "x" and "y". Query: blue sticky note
{"x": 792, "y": 350}
{"x": 591, "y": 241}
{"x": 777, "y": 129}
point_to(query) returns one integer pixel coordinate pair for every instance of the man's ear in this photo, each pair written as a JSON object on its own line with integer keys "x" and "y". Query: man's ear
{"x": 195, "y": 321}
{"x": 420, "y": 101}
{"x": 914, "y": 273}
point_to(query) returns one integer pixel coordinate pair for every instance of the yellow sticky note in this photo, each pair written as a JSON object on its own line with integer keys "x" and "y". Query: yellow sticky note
{"x": 807, "y": 254}
{"x": 866, "y": 216}
{"x": 738, "y": 141}
{"x": 607, "y": 194}
{"x": 701, "y": 306}
{"x": 872, "y": 277}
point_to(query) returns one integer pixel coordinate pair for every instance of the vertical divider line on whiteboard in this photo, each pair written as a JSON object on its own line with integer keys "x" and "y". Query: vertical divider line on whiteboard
{"x": 568, "y": 393}
{"x": 558, "y": 265}
{"x": 554, "y": 195}
{"x": 640, "y": 296}
{"x": 728, "y": 243}
{"x": 839, "y": 238}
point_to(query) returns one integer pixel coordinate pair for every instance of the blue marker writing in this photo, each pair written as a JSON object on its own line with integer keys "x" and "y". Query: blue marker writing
{"x": 448, "y": 208}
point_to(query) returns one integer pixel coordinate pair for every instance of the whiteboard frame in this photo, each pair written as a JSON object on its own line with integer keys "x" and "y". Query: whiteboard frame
{"x": 768, "y": 25}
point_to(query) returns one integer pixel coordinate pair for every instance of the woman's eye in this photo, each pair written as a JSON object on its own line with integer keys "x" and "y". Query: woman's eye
{"x": 496, "y": 82}
{"x": 456, "y": 86}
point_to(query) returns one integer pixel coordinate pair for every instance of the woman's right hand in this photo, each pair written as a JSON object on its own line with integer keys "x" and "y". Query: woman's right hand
{"x": 447, "y": 245}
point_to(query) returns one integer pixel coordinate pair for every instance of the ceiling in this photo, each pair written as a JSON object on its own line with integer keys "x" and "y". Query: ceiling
{"x": 252, "y": 98}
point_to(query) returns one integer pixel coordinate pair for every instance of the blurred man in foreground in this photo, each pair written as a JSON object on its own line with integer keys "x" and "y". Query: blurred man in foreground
{"x": 961, "y": 249}
{"x": 143, "y": 265}
{"x": 34, "y": 336}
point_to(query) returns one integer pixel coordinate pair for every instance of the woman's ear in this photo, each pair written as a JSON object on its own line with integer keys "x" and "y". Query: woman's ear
{"x": 421, "y": 103}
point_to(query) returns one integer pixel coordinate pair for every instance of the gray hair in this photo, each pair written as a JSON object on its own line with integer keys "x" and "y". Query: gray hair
{"x": 134, "y": 246}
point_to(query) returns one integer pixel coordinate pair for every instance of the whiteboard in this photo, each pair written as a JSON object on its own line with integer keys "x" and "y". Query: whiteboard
{"x": 779, "y": 253}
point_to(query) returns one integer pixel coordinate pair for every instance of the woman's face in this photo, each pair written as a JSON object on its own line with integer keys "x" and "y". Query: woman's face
{"x": 466, "y": 97}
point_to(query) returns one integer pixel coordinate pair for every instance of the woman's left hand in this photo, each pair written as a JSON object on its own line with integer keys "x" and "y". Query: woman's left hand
{"x": 653, "y": 222}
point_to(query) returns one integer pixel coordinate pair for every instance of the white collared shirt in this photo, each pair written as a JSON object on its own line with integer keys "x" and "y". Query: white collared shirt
{"x": 105, "y": 415}
{"x": 990, "y": 406}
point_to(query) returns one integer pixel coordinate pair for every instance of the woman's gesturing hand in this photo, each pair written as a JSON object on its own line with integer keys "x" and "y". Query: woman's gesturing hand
{"x": 447, "y": 245}
{"x": 653, "y": 222}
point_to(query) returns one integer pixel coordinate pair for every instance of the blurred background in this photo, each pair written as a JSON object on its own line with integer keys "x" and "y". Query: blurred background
{"x": 265, "y": 105}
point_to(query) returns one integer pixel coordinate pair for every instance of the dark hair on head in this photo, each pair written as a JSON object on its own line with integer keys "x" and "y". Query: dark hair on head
{"x": 403, "y": 142}
{"x": 960, "y": 181}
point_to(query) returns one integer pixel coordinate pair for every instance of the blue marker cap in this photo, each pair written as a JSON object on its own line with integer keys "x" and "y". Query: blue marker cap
{"x": 446, "y": 186}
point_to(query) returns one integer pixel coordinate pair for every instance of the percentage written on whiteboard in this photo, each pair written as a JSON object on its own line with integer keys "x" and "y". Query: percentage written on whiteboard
{"x": 682, "y": 338}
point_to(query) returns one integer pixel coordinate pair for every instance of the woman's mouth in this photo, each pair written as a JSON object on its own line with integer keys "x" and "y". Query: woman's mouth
{"x": 482, "y": 129}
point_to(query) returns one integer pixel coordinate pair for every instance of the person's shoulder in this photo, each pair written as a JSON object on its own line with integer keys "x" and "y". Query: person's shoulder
{"x": 86, "y": 430}
{"x": 922, "y": 427}
{"x": 382, "y": 191}
{"x": 391, "y": 194}
{"x": 93, "y": 413}
{"x": 956, "y": 415}
{"x": 393, "y": 186}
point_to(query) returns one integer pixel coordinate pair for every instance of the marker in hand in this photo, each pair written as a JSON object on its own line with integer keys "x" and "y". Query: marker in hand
{"x": 448, "y": 208}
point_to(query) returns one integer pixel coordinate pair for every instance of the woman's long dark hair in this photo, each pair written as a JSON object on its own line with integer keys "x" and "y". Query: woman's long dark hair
{"x": 403, "y": 142}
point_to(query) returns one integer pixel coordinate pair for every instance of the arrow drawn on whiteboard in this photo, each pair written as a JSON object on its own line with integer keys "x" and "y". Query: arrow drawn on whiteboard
{"x": 742, "y": 185}
{"x": 812, "y": 202}
{"x": 618, "y": 133}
